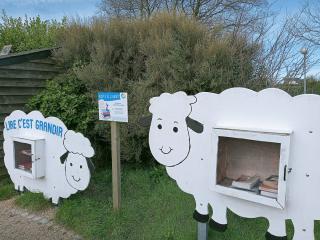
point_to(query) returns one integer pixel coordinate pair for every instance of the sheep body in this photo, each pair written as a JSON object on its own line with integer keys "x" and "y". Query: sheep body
{"x": 270, "y": 108}
{"x": 54, "y": 184}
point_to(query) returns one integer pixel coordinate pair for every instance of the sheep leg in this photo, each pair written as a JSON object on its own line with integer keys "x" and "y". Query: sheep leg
{"x": 277, "y": 229}
{"x": 303, "y": 229}
{"x": 218, "y": 220}
{"x": 55, "y": 200}
{"x": 201, "y": 213}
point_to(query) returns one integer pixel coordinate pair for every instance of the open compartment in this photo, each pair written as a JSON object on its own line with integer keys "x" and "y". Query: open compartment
{"x": 29, "y": 156}
{"x": 252, "y": 164}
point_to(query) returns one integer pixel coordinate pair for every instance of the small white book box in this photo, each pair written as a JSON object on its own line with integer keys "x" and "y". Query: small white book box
{"x": 251, "y": 152}
{"x": 29, "y": 158}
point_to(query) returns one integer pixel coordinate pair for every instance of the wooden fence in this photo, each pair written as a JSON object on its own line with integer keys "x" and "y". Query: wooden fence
{"x": 22, "y": 76}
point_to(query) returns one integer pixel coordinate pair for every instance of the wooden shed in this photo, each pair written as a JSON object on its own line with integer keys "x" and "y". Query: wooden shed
{"x": 22, "y": 75}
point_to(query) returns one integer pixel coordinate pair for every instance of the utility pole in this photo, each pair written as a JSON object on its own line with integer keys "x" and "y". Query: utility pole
{"x": 304, "y": 51}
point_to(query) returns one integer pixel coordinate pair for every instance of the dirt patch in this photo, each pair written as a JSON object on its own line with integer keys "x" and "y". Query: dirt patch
{"x": 17, "y": 223}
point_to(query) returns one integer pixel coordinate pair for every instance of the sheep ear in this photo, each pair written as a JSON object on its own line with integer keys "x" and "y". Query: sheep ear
{"x": 194, "y": 125}
{"x": 145, "y": 121}
{"x": 64, "y": 157}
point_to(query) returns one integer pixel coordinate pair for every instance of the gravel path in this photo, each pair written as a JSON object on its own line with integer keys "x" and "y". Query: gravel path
{"x": 16, "y": 224}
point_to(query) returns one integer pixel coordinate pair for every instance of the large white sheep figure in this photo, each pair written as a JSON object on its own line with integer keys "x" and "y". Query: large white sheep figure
{"x": 181, "y": 138}
{"x": 66, "y": 155}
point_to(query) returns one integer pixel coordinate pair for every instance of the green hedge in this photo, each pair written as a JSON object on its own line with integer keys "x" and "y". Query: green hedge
{"x": 145, "y": 58}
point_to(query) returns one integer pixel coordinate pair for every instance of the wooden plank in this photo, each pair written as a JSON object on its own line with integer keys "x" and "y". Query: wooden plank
{"x": 17, "y": 91}
{"x": 116, "y": 175}
{"x": 7, "y": 73}
{"x": 25, "y": 56}
{"x": 32, "y": 66}
{"x": 13, "y": 100}
{"x": 21, "y": 82}
{"x": 11, "y": 107}
{"x": 50, "y": 61}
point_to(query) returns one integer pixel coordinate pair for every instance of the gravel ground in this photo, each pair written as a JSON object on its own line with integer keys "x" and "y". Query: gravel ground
{"x": 16, "y": 224}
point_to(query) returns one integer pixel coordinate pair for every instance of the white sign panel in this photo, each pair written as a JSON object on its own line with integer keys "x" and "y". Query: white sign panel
{"x": 42, "y": 155}
{"x": 113, "y": 106}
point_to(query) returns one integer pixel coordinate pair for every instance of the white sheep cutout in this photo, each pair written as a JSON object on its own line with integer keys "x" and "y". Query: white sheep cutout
{"x": 181, "y": 137}
{"x": 66, "y": 154}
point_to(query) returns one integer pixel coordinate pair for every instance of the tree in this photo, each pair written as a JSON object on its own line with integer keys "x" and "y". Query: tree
{"x": 308, "y": 26}
{"x": 223, "y": 12}
{"x": 30, "y": 33}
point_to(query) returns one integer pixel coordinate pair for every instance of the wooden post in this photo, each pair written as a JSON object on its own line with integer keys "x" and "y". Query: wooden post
{"x": 202, "y": 231}
{"x": 116, "y": 177}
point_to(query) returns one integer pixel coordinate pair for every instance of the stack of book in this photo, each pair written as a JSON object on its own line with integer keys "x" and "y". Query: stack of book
{"x": 248, "y": 183}
{"x": 25, "y": 165}
{"x": 269, "y": 187}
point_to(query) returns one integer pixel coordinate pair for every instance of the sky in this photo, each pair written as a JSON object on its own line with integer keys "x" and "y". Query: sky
{"x": 57, "y": 9}
{"x": 50, "y": 9}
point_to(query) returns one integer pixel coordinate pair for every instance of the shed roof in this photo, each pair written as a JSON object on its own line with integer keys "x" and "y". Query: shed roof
{"x": 21, "y": 57}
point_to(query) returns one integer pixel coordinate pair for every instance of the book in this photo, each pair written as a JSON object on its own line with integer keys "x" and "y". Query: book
{"x": 246, "y": 182}
{"x": 266, "y": 188}
{"x": 26, "y": 165}
{"x": 270, "y": 184}
{"x": 268, "y": 194}
{"x": 271, "y": 181}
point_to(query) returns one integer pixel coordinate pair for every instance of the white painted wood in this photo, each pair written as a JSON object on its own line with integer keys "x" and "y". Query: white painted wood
{"x": 271, "y": 114}
{"x": 60, "y": 156}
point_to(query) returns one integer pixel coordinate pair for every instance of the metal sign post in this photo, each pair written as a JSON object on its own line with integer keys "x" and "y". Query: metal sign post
{"x": 202, "y": 231}
{"x": 116, "y": 174}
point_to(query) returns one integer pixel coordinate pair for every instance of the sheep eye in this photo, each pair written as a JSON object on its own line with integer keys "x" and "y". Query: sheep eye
{"x": 160, "y": 126}
{"x": 80, "y": 166}
{"x": 175, "y": 129}
{"x": 71, "y": 164}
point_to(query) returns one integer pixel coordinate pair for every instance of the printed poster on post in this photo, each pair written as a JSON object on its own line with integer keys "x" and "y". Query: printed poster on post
{"x": 113, "y": 106}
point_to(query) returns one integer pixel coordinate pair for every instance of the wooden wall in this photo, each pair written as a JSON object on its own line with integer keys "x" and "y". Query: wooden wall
{"x": 19, "y": 82}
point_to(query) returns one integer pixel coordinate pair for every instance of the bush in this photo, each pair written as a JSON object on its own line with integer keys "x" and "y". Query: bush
{"x": 27, "y": 34}
{"x": 67, "y": 98}
{"x": 145, "y": 58}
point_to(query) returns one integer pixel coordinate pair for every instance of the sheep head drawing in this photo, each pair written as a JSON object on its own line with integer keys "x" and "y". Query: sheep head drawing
{"x": 76, "y": 160}
{"x": 169, "y": 138}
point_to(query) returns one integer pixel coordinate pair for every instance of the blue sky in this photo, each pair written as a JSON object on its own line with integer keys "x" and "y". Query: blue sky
{"x": 49, "y": 9}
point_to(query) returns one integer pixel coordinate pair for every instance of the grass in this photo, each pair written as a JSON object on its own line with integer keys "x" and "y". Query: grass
{"x": 153, "y": 207}
{"x": 32, "y": 201}
{"x": 6, "y": 190}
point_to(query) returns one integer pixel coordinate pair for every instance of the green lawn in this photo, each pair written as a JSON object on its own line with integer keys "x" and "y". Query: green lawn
{"x": 153, "y": 207}
{"x": 6, "y": 190}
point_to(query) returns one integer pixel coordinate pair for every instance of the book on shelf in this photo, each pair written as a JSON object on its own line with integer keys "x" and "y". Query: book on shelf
{"x": 270, "y": 184}
{"x": 271, "y": 181}
{"x": 27, "y": 165}
{"x": 246, "y": 182}
{"x": 26, "y": 152}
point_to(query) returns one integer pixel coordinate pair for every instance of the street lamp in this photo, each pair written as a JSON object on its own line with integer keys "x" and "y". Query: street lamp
{"x": 304, "y": 51}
